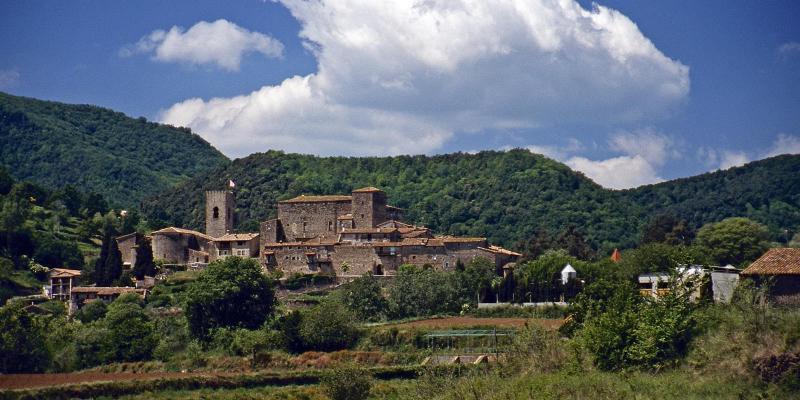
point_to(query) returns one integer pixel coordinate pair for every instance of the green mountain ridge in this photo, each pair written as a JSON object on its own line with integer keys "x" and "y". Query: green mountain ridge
{"x": 505, "y": 196}
{"x": 98, "y": 150}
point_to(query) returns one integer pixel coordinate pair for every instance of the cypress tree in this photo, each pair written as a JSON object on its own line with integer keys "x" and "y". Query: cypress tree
{"x": 100, "y": 263}
{"x": 113, "y": 267}
{"x": 144, "y": 265}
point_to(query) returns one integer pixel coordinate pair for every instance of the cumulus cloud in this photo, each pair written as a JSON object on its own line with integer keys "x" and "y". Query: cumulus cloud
{"x": 789, "y": 49}
{"x": 784, "y": 144}
{"x": 644, "y": 152}
{"x": 8, "y": 78}
{"x": 220, "y": 42}
{"x": 555, "y": 152}
{"x": 406, "y": 76}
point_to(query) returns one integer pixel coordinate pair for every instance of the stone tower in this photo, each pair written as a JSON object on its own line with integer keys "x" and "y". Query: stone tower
{"x": 220, "y": 205}
{"x": 368, "y": 207}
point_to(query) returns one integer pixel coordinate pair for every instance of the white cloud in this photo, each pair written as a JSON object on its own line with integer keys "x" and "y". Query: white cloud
{"x": 405, "y": 76}
{"x": 617, "y": 173}
{"x": 645, "y": 151}
{"x": 731, "y": 158}
{"x": 555, "y": 152}
{"x": 789, "y": 49}
{"x": 220, "y": 42}
{"x": 784, "y": 144}
{"x": 8, "y": 78}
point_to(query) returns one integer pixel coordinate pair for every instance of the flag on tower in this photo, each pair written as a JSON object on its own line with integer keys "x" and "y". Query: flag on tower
{"x": 231, "y": 184}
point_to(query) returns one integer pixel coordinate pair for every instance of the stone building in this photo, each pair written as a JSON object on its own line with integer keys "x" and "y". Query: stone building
{"x": 127, "y": 247}
{"x": 234, "y": 244}
{"x": 180, "y": 246}
{"x": 220, "y": 212}
{"x": 359, "y": 234}
{"x": 62, "y": 281}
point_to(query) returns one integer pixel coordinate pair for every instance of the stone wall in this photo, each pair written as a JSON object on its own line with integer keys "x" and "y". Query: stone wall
{"x": 173, "y": 248}
{"x": 127, "y": 246}
{"x": 368, "y": 208}
{"x": 305, "y": 220}
{"x": 220, "y": 208}
{"x": 271, "y": 231}
{"x": 244, "y": 248}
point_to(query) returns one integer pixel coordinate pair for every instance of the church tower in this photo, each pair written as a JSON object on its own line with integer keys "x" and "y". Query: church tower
{"x": 220, "y": 206}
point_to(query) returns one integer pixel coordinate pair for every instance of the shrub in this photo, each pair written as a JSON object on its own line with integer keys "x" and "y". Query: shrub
{"x": 229, "y": 293}
{"x": 364, "y": 298}
{"x": 22, "y": 342}
{"x": 327, "y": 327}
{"x": 346, "y": 383}
{"x": 91, "y": 311}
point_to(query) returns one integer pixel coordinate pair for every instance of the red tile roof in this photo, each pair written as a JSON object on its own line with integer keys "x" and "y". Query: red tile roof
{"x": 779, "y": 261}
{"x": 236, "y": 237}
{"x": 64, "y": 273}
{"x": 173, "y": 229}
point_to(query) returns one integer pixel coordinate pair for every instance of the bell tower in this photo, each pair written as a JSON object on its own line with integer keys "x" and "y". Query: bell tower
{"x": 220, "y": 206}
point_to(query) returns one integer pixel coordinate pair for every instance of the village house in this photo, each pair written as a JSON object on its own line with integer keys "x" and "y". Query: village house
{"x": 780, "y": 269}
{"x": 345, "y": 235}
{"x": 83, "y": 294}
{"x": 62, "y": 281}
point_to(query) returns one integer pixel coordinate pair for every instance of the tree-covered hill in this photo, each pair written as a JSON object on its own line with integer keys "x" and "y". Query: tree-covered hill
{"x": 97, "y": 150}
{"x": 506, "y": 196}
{"x": 767, "y": 191}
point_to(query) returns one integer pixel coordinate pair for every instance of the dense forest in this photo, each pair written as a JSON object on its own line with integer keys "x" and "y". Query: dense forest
{"x": 507, "y": 196}
{"x": 97, "y": 150}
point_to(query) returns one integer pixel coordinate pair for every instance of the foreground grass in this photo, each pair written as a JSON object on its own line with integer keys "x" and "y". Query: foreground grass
{"x": 492, "y": 385}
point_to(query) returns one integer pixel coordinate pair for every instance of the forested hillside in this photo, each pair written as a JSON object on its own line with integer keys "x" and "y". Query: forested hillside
{"x": 767, "y": 191}
{"x": 506, "y": 196}
{"x": 97, "y": 150}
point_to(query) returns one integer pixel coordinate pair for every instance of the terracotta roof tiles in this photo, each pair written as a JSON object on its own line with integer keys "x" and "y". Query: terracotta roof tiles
{"x": 779, "y": 261}
{"x": 317, "y": 199}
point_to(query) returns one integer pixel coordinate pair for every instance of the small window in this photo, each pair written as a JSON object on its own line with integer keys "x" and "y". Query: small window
{"x": 330, "y": 225}
{"x": 216, "y": 212}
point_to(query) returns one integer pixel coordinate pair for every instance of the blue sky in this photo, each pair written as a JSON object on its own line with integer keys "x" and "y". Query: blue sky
{"x": 628, "y": 92}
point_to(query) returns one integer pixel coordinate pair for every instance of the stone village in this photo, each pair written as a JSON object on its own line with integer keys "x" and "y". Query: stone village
{"x": 347, "y": 236}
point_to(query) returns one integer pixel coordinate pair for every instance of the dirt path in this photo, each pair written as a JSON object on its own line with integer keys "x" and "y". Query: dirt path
{"x": 466, "y": 322}
{"x": 26, "y": 381}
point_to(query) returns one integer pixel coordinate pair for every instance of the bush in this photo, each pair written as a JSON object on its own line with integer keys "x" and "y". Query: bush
{"x": 328, "y": 327}
{"x": 91, "y": 311}
{"x": 364, "y": 298}
{"x": 346, "y": 383}
{"x": 22, "y": 342}
{"x": 229, "y": 293}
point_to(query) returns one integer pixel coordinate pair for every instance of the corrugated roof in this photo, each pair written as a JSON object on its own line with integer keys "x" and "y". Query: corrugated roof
{"x": 236, "y": 237}
{"x": 778, "y": 261}
{"x": 318, "y": 199}
{"x": 173, "y": 229}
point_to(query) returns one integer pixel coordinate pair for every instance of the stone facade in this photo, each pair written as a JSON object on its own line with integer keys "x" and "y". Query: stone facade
{"x": 359, "y": 234}
{"x": 244, "y": 245}
{"x": 220, "y": 208}
{"x": 127, "y": 246}
{"x": 173, "y": 245}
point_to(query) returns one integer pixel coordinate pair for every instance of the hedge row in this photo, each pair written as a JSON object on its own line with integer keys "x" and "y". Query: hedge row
{"x": 121, "y": 388}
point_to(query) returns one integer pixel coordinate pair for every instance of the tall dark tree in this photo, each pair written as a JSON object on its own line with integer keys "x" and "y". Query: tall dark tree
{"x": 105, "y": 267}
{"x": 540, "y": 242}
{"x": 113, "y": 262}
{"x": 666, "y": 228}
{"x": 144, "y": 265}
{"x": 575, "y": 244}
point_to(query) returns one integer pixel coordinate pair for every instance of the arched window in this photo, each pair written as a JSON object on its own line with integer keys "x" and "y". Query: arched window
{"x": 216, "y": 212}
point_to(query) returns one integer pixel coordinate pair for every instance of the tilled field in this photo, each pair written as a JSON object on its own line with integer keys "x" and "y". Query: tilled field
{"x": 26, "y": 381}
{"x": 467, "y": 322}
